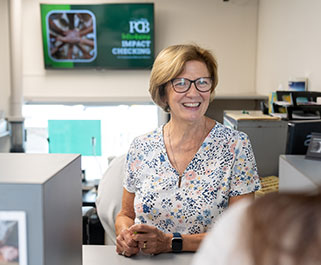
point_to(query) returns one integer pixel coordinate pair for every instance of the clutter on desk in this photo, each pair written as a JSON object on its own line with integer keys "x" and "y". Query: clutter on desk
{"x": 314, "y": 148}
{"x": 295, "y": 105}
{"x": 248, "y": 115}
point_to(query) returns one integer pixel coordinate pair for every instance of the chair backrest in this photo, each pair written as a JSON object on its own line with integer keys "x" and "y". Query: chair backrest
{"x": 110, "y": 191}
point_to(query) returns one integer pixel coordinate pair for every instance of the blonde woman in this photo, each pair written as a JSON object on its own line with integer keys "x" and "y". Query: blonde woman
{"x": 182, "y": 176}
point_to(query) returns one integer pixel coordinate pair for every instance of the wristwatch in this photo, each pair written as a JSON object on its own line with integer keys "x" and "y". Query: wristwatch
{"x": 177, "y": 243}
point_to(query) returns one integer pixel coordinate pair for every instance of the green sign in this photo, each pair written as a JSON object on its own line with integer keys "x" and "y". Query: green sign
{"x": 118, "y": 36}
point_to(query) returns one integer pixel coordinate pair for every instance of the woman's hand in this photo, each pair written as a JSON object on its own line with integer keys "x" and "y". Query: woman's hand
{"x": 125, "y": 244}
{"x": 150, "y": 239}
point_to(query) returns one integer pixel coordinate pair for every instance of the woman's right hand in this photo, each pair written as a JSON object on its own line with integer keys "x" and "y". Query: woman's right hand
{"x": 125, "y": 244}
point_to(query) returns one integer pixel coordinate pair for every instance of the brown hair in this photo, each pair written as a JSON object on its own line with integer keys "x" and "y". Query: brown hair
{"x": 285, "y": 228}
{"x": 170, "y": 62}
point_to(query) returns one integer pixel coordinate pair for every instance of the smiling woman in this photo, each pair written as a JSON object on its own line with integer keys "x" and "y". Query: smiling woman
{"x": 180, "y": 177}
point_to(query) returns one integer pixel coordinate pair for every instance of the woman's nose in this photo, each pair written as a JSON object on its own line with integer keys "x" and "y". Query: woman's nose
{"x": 192, "y": 90}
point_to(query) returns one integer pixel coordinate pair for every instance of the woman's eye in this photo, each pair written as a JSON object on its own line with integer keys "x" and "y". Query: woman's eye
{"x": 202, "y": 82}
{"x": 180, "y": 82}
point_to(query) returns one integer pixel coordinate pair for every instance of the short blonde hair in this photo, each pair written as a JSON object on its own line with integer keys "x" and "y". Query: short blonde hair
{"x": 170, "y": 62}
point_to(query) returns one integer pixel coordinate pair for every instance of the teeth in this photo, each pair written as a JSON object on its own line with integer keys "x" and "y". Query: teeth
{"x": 191, "y": 104}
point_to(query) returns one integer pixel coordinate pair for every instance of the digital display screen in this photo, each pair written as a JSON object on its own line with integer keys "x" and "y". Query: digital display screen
{"x": 114, "y": 36}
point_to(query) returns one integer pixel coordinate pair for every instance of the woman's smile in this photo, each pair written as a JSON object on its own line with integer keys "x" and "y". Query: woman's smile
{"x": 192, "y": 104}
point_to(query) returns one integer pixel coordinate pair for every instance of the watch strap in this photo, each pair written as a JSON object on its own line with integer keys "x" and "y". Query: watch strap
{"x": 177, "y": 243}
{"x": 175, "y": 234}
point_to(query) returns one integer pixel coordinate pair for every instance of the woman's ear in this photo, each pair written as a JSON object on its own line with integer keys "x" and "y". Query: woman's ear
{"x": 163, "y": 96}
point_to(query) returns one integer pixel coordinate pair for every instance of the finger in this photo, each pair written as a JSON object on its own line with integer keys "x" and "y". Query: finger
{"x": 130, "y": 252}
{"x": 141, "y": 228}
{"x": 145, "y": 237}
{"x": 128, "y": 238}
{"x": 142, "y": 244}
{"x": 148, "y": 250}
{"x": 130, "y": 241}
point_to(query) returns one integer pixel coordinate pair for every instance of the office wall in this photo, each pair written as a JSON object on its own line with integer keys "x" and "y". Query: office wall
{"x": 229, "y": 29}
{"x": 289, "y": 42}
{"x": 4, "y": 55}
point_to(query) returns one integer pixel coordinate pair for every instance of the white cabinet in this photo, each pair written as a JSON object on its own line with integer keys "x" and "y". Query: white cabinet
{"x": 267, "y": 135}
{"x": 298, "y": 174}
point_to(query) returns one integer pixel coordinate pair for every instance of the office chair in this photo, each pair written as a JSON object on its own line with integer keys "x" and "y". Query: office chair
{"x": 109, "y": 198}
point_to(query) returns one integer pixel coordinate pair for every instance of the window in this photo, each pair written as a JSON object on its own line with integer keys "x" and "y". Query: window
{"x": 119, "y": 125}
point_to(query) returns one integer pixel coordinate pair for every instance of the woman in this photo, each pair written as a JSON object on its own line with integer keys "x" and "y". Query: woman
{"x": 182, "y": 176}
{"x": 276, "y": 229}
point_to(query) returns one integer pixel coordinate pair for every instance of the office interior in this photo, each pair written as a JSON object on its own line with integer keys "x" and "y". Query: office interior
{"x": 259, "y": 44}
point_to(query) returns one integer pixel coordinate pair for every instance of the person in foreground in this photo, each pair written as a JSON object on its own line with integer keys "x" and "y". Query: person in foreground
{"x": 182, "y": 176}
{"x": 276, "y": 229}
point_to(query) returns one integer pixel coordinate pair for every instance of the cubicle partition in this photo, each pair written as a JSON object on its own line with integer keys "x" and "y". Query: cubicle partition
{"x": 43, "y": 191}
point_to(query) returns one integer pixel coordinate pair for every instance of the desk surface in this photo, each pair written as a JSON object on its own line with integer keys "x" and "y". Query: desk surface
{"x": 308, "y": 167}
{"x": 103, "y": 255}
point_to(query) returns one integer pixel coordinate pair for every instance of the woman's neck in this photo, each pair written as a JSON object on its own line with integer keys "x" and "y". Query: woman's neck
{"x": 187, "y": 134}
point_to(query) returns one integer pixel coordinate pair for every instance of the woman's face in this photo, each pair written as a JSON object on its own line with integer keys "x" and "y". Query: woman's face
{"x": 191, "y": 105}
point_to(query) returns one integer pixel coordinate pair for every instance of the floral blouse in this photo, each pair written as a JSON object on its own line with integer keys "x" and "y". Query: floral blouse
{"x": 223, "y": 167}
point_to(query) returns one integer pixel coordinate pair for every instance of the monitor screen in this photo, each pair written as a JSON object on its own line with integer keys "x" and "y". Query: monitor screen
{"x": 299, "y": 135}
{"x": 114, "y": 36}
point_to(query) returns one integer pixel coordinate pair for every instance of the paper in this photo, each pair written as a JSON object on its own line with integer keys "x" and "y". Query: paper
{"x": 13, "y": 238}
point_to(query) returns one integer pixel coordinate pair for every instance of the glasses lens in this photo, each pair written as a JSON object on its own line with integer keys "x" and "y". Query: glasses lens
{"x": 180, "y": 84}
{"x": 203, "y": 83}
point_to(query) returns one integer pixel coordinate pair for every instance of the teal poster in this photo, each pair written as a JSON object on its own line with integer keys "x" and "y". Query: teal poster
{"x": 75, "y": 137}
{"x": 117, "y": 36}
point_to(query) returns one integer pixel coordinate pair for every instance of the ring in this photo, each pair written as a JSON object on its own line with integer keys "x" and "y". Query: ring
{"x": 123, "y": 253}
{"x": 145, "y": 245}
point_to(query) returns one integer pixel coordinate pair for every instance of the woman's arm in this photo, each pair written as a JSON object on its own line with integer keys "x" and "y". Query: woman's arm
{"x": 240, "y": 197}
{"x": 192, "y": 242}
{"x": 125, "y": 244}
{"x": 125, "y": 218}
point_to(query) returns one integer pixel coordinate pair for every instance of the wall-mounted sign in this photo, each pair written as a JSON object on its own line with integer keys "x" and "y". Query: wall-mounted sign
{"x": 119, "y": 36}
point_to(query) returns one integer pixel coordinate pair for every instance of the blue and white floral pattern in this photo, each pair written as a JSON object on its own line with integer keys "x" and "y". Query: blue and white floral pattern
{"x": 223, "y": 167}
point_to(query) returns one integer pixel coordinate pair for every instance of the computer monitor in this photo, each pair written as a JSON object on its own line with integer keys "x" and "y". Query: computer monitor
{"x": 299, "y": 135}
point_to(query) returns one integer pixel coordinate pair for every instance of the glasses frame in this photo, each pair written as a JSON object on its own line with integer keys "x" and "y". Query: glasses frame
{"x": 190, "y": 84}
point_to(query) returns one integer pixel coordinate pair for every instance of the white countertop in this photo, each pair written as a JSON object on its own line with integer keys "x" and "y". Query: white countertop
{"x": 105, "y": 255}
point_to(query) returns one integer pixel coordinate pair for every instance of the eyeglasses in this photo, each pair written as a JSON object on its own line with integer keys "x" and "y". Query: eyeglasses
{"x": 182, "y": 85}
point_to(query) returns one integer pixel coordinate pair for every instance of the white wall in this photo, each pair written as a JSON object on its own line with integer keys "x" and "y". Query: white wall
{"x": 227, "y": 28}
{"x": 289, "y": 43}
{"x": 4, "y": 55}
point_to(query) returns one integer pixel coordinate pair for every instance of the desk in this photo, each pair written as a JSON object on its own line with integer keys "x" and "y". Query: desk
{"x": 299, "y": 174}
{"x": 105, "y": 255}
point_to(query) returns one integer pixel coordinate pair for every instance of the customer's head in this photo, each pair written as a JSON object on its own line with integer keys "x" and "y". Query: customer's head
{"x": 285, "y": 229}
{"x": 171, "y": 62}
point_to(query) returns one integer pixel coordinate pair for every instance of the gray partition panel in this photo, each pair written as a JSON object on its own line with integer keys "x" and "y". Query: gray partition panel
{"x": 48, "y": 188}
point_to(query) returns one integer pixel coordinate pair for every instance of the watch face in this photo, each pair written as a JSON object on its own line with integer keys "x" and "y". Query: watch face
{"x": 177, "y": 244}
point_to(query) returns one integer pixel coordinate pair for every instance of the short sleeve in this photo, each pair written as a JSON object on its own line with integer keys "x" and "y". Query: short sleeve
{"x": 132, "y": 167}
{"x": 244, "y": 175}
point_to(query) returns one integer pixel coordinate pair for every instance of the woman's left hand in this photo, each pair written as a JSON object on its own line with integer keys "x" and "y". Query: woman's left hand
{"x": 150, "y": 239}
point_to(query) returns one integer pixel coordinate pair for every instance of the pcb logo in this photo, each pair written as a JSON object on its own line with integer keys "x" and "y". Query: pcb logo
{"x": 139, "y": 26}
